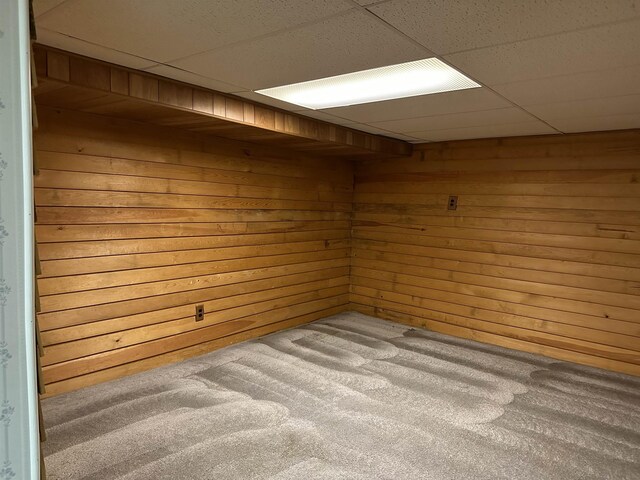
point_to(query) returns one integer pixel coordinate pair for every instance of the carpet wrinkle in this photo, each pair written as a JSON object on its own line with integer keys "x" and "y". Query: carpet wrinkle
{"x": 275, "y": 383}
{"x": 401, "y": 429}
{"x": 408, "y": 375}
{"x": 583, "y": 454}
{"x": 375, "y": 327}
{"x": 342, "y": 374}
{"x": 514, "y": 369}
{"x": 319, "y": 385}
{"x": 293, "y": 440}
{"x": 435, "y": 452}
{"x": 596, "y": 411}
{"x": 617, "y": 380}
{"x": 315, "y": 469}
{"x": 337, "y": 359}
{"x": 373, "y": 348}
{"x": 326, "y": 355}
{"x": 187, "y": 394}
{"x": 457, "y": 410}
{"x": 334, "y": 347}
{"x": 169, "y": 431}
{"x": 478, "y": 348}
{"x": 618, "y": 444}
{"x": 351, "y": 397}
{"x": 118, "y": 470}
{"x": 71, "y": 405}
{"x": 264, "y": 387}
{"x": 467, "y": 372}
{"x": 582, "y": 387}
{"x": 551, "y": 460}
{"x": 76, "y": 408}
{"x": 562, "y": 394}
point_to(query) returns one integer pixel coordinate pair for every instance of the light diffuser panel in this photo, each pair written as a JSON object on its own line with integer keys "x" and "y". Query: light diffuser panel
{"x": 420, "y": 77}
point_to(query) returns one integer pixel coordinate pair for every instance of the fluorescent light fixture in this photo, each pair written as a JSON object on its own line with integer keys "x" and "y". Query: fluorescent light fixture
{"x": 421, "y": 77}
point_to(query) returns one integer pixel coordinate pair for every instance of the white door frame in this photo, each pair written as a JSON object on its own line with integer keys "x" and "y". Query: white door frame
{"x": 19, "y": 435}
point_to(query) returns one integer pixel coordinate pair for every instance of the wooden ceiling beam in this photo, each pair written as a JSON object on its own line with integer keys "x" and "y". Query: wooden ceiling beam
{"x": 72, "y": 81}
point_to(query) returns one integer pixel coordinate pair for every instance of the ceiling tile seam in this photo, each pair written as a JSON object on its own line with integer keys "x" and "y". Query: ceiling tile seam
{"x": 583, "y": 72}
{"x": 467, "y": 126}
{"x": 373, "y": 3}
{"x": 439, "y": 57}
{"x": 299, "y": 112}
{"x": 383, "y": 129}
{"x": 408, "y": 138}
{"x": 548, "y": 35}
{"x": 607, "y": 115}
{"x": 392, "y": 28}
{"x": 373, "y": 124}
{"x": 261, "y": 37}
{"x": 147, "y": 69}
{"x": 155, "y": 62}
{"x": 452, "y": 136}
{"x": 46, "y": 14}
{"x": 610, "y": 97}
{"x": 341, "y": 118}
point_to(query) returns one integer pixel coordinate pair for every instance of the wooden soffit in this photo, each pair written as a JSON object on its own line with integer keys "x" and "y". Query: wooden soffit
{"x": 70, "y": 81}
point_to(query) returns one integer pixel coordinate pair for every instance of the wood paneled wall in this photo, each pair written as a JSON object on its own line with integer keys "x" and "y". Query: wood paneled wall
{"x": 137, "y": 224}
{"x": 542, "y": 253}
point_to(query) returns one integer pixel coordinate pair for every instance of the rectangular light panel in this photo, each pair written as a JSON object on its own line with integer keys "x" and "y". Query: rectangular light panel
{"x": 410, "y": 79}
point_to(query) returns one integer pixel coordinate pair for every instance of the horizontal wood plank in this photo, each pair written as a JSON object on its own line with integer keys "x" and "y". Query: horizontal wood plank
{"x": 94, "y": 86}
{"x": 542, "y": 252}
{"x": 77, "y": 382}
{"x": 136, "y": 226}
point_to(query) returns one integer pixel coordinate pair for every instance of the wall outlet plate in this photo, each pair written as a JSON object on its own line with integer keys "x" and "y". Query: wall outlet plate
{"x": 199, "y": 313}
{"x": 452, "y": 204}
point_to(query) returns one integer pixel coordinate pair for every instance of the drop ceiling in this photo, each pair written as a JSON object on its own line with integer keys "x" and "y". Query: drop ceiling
{"x": 546, "y": 67}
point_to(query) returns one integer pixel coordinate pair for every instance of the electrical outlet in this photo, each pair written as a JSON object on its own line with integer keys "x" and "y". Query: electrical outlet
{"x": 199, "y": 313}
{"x": 453, "y": 202}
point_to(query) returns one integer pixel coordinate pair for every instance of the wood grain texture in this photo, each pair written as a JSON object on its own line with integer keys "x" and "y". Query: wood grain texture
{"x": 542, "y": 253}
{"x": 203, "y": 198}
{"x": 71, "y": 81}
{"x": 137, "y": 224}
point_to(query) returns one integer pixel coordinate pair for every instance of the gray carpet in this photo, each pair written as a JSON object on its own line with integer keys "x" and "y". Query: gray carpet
{"x": 351, "y": 397}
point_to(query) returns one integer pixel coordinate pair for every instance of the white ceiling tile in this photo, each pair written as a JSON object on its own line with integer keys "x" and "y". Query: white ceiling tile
{"x": 454, "y": 120}
{"x": 446, "y": 26}
{"x": 40, "y": 7}
{"x": 486, "y": 131}
{"x": 572, "y": 63}
{"x": 598, "y": 123}
{"x": 619, "y": 105}
{"x": 600, "y": 48}
{"x": 163, "y": 30}
{"x": 57, "y": 40}
{"x": 442, "y": 103}
{"x": 342, "y": 44}
{"x": 603, "y": 83}
{"x": 192, "y": 78}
